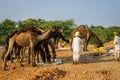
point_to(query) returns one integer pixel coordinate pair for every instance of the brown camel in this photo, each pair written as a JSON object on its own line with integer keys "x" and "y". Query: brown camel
{"x": 15, "y": 47}
{"x": 28, "y": 39}
{"x": 18, "y": 50}
{"x": 45, "y": 44}
{"x": 86, "y": 34}
{"x": 58, "y": 34}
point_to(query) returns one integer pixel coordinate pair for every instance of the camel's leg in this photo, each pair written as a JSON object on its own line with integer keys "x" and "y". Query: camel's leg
{"x": 86, "y": 43}
{"x": 37, "y": 54}
{"x": 42, "y": 54}
{"x": 38, "y": 57}
{"x": 33, "y": 61}
{"x": 21, "y": 52}
{"x": 29, "y": 55}
{"x": 57, "y": 40}
{"x": 55, "y": 43}
{"x": 20, "y": 60}
{"x": 11, "y": 43}
{"x": 53, "y": 50}
{"x": 84, "y": 48}
{"x": 11, "y": 57}
{"x": 47, "y": 52}
{"x": 33, "y": 56}
{"x": 36, "y": 51}
{"x": 32, "y": 47}
{"x": 18, "y": 53}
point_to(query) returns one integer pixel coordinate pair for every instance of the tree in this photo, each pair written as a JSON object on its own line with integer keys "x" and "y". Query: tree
{"x": 6, "y": 27}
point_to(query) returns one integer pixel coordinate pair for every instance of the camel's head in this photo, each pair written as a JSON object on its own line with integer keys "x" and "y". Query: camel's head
{"x": 60, "y": 29}
{"x": 53, "y": 28}
{"x": 41, "y": 29}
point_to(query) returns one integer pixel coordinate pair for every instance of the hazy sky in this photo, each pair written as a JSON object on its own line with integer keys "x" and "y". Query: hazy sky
{"x": 96, "y": 12}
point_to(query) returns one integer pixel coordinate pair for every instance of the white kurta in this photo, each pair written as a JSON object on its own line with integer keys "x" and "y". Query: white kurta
{"x": 117, "y": 46}
{"x": 76, "y": 48}
{"x": 76, "y": 44}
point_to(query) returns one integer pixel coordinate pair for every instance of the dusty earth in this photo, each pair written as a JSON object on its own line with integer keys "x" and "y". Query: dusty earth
{"x": 91, "y": 67}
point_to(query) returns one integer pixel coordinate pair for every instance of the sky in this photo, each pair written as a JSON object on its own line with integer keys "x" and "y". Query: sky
{"x": 89, "y": 12}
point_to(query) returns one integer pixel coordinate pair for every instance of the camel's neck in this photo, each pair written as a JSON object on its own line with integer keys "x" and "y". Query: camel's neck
{"x": 41, "y": 30}
{"x": 97, "y": 40}
{"x": 44, "y": 36}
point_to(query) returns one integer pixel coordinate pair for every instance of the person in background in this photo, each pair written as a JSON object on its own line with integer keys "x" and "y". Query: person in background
{"x": 117, "y": 45}
{"x": 76, "y": 47}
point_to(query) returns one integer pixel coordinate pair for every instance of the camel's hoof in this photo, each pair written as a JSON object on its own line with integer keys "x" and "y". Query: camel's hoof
{"x": 33, "y": 65}
{"x": 14, "y": 67}
{"x": 28, "y": 62}
{"x": 11, "y": 61}
{"x": 44, "y": 61}
{"x": 22, "y": 65}
{"x": 53, "y": 59}
{"x": 49, "y": 62}
{"x": 85, "y": 50}
{"x": 4, "y": 69}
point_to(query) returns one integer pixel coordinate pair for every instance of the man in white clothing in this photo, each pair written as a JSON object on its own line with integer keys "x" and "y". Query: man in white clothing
{"x": 117, "y": 46}
{"x": 76, "y": 47}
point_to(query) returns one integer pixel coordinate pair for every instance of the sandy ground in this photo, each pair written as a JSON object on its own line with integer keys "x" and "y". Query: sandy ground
{"x": 91, "y": 67}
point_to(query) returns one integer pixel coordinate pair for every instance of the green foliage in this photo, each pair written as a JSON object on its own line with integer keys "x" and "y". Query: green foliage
{"x": 2, "y": 40}
{"x": 100, "y": 32}
{"x": 8, "y": 26}
{"x": 104, "y": 34}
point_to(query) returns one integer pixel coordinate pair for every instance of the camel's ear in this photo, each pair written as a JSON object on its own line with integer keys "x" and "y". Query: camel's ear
{"x": 62, "y": 27}
{"x": 53, "y": 28}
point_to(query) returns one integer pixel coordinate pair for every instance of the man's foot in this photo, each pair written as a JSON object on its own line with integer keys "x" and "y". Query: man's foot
{"x": 77, "y": 62}
{"x": 73, "y": 62}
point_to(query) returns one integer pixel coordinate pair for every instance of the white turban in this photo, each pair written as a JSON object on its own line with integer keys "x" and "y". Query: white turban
{"x": 77, "y": 34}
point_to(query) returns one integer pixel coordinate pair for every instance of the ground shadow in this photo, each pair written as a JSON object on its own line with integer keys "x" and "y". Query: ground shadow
{"x": 88, "y": 58}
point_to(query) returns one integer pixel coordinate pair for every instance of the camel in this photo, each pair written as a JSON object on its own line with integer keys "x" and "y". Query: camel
{"x": 86, "y": 33}
{"x": 15, "y": 47}
{"x": 45, "y": 43}
{"x": 29, "y": 38}
{"x": 41, "y": 47}
{"x": 17, "y": 50}
{"x": 58, "y": 35}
